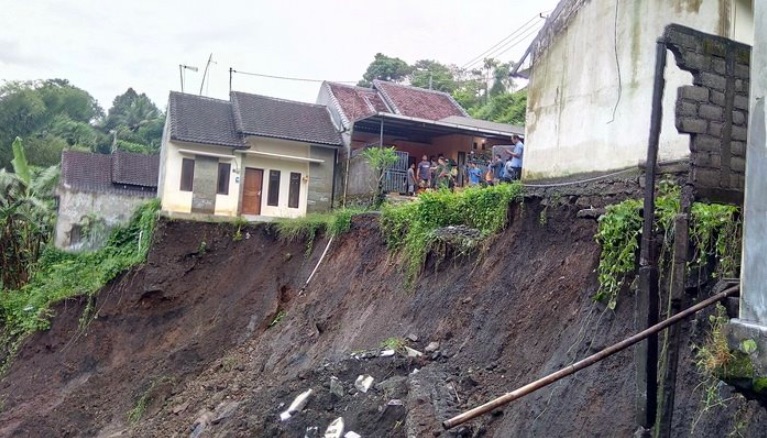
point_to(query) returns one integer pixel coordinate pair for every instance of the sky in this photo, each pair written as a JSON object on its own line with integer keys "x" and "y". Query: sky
{"x": 106, "y": 47}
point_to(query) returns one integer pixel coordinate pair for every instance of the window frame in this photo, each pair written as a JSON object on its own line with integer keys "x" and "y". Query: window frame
{"x": 187, "y": 175}
{"x": 223, "y": 178}
{"x": 294, "y": 195}
{"x": 273, "y": 191}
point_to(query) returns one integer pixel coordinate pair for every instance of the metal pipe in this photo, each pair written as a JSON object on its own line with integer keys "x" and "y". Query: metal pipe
{"x": 591, "y": 360}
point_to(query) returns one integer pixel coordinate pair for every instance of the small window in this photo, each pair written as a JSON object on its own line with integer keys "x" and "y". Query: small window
{"x": 274, "y": 188}
{"x": 187, "y": 175}
{"x": 295, "y": 190}
{"x": 223, "y": 178}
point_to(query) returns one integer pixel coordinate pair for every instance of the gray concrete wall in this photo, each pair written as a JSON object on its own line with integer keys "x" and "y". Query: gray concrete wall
{"x": 205, "y": 184}
{"x": 714, "y": 111}
{"x": 321, "y": 178}
{"x": 76, "y": 205}
{"x": 361, "y": 181}
{"x": 753, "y": 295}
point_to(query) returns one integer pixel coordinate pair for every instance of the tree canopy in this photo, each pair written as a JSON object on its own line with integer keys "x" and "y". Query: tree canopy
{"x": 487, "y": 92}
{"x": 52, "y": 115}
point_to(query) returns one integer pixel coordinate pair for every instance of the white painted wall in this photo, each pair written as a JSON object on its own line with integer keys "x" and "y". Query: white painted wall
{"x": 173, "y": 199}
{"x": 576, "y": 84}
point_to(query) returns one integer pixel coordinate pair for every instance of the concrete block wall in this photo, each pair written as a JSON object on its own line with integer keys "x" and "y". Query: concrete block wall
{"x": 714, "y": 110}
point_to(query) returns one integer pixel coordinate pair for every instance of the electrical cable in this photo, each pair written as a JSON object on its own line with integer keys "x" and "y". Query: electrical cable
{"x": 522, "y": 39}
{"x": 617, "y": 63}
{"x": 288, "y": 78}
{"x": 482, "y": 55}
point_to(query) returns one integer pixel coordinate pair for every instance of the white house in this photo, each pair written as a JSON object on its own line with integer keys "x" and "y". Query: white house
{"x": 252, "y": 155}
{"x": 591, "y": 72}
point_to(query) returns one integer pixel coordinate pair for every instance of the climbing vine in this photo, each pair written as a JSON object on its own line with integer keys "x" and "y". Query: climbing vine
{"x": 409, "y": 229}
{"x": 715, "y": 232}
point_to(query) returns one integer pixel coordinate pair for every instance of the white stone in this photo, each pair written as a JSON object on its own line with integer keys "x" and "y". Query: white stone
{"x": 297, "y": 406}
{"x": 336, "y": 428}
{"x": 413, "y": 353}
{"x": 432, "y": 347}
{"x": 364, "y": 382}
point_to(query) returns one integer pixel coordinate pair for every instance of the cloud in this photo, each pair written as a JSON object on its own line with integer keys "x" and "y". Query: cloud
{"x": 12, "y": 54}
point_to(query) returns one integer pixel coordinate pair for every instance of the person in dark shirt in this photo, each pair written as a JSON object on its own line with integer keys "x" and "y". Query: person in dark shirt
{"x": 423, "y": 172}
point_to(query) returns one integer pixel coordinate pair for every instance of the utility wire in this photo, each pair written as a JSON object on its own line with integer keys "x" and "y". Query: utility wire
{"x": 522, "y": 39}
{"x": 512, "y": 43}
{"x": 287, "y": 78}
{"x": 519, "y": 30}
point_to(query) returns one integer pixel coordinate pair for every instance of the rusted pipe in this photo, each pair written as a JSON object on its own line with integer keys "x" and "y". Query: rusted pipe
{"x": 591, "y": 360}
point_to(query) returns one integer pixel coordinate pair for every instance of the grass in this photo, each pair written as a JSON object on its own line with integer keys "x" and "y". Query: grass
{"x": 396, "y": 344}
{"x": 310, "y": 226}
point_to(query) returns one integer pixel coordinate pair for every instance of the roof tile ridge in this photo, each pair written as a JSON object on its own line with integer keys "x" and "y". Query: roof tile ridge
{"x": 344, "y": 118}
{"x": 386, "y": 98}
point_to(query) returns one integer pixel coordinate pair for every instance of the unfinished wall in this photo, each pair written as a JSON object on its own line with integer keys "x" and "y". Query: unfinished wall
{"x": 590, "y": 90}
{"x": 714, "y": 110}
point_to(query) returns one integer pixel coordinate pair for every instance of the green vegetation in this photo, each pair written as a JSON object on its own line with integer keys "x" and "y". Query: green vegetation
{"x": 53, "y": 115}
{"x": 469, "y": 85}
{"x": 310, "y": 226}
{"x": 27, "y": 217}
{"x": 379, "y": 159}
{"x": 410, "y": 228}
{"x": 396, "y": 344}
{"x": 138, "y": 410}
{"x": 278, "y": 318}
{"x": 59, "y": 275}
{"x": 715, "y": 231}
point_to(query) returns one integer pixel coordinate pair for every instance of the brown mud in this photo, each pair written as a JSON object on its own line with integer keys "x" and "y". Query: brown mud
{"x": 214, "y": 339}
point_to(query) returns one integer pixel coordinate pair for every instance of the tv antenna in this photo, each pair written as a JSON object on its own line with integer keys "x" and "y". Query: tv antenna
{"x": 207, "y": 72}
{"x": 182, "y": 73}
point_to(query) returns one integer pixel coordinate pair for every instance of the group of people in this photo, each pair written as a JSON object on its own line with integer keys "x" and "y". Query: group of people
{"x": 442, "y": 172}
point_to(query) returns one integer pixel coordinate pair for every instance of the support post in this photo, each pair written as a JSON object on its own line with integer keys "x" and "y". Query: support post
{"x": 647, "y": 311}
{"x": 677, "y": 297}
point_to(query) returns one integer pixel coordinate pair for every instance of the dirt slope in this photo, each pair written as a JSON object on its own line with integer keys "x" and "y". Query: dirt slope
{"x": 187, "y": 339}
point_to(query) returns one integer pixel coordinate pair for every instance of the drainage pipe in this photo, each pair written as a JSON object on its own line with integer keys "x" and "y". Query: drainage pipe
{"x": 591, "y": 360}
{"x": 322, "y": 257}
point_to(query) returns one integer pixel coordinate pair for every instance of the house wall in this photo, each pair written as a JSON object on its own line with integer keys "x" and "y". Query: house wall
{"x": 173, "y": 199}
{"x": 576, "y": 85}
{"x": 75, "y": 205}
{"x": 203, "y": 198}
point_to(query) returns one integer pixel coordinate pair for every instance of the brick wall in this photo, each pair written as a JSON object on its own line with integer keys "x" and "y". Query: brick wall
{"x": 714, "y": 110}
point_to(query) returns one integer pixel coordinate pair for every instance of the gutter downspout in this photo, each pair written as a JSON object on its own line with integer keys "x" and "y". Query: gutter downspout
{"x": 348, "y": 164}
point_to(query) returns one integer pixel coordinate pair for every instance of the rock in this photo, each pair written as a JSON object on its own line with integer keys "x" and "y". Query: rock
{"x": 336, "y": 388}
{"x": 387, "y": 353}
{"x": 432, "y": 347}
{"x": 395, "y": 402}
{"x": 351, "y": 434}
{"x": 412, "y": 337}
{"x": 180, "y": 408}
{"x": 298, "y": 404}
{"x": 364, "y": 382}
{"x": 466, "y": 300}
{"x": 335, "y": 429}
{"x": 224, "y": 410}
{"x": 312, "y": 432}
{"x": 394, "y": 387}
{"x": 413, "y": 353}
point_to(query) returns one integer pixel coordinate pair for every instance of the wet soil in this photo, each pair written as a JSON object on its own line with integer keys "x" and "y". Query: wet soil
{"x": 217, "y": 340}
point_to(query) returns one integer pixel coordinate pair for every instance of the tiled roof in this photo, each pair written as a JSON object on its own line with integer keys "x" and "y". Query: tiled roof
{"x": 135, "y": 169}
{"x": 418, "y": 102}
{"x": 356, "y": 103}
{"x": 200, "y": 119}
{"x": 285, "y": 119}
{"x": 121, "y": 172}
{"x": 484, "y": 124}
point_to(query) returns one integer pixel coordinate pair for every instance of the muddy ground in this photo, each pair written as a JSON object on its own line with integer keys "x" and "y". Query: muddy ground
{"x": 216, "y": 340}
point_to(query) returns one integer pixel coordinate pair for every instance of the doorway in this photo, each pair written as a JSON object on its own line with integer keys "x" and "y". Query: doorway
{"x": 251, "y": 191}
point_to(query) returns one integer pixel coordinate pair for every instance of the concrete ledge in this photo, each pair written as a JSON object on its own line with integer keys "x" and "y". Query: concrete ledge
{"x": 198, "y": 217}
{"x": 739, "y": 333}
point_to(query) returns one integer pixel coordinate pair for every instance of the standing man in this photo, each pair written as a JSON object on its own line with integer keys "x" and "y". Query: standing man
{"x": 475, "y": 174}
{"x": 516, "y": 157}
{"x": 497, "y": 166}
{"x": 411, "y": 180}
{"x": 423, "y": 173}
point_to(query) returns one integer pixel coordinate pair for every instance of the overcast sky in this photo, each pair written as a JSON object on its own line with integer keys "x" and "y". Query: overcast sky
{"x": 105, "y": 47}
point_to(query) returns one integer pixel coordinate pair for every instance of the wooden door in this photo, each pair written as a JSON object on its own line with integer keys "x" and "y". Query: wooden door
{"x": 251, "y": 191}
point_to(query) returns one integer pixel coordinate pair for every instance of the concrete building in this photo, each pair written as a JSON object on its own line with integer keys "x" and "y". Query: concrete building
{"x": 253, "y": 156}
{"x": 97, "y": 192}
{"x": 591, "y": 80}
{"x": 415, "y": 121}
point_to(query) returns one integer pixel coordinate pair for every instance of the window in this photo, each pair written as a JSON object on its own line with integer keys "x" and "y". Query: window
{"x": 294, "y": 190}
{"x": 223, "y": 178}
{"x": 187, "y": 175}
{"x": 273, "y": 198}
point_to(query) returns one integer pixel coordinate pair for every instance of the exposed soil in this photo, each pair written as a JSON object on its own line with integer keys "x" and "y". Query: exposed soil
{"x": 215, "y": 340}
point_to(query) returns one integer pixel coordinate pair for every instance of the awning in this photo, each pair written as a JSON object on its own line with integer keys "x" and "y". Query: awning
{"x": 422, "y": 130}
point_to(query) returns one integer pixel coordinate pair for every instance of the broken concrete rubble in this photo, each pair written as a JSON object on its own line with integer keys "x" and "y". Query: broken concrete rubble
{"x": 298, "y": 404}
{"x": 335, "y": 429}
{"x": 364, "y": 382}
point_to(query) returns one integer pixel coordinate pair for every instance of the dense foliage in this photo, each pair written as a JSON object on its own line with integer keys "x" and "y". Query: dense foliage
{"x": 312, "y": 225}
{"x": 715, "y": 232}
{"x": 486, "y": 92}
{"x": 59, "y": 275}
{"x": 410, "y": 228}
{"x": 27, "y": 217}
{"x": 53, "y": 115}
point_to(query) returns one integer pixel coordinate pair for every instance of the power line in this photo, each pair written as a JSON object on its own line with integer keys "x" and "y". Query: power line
{"x": 504, "y": 39}
{"x": 287, "y": 78}
{"x": 520, "y": 38}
